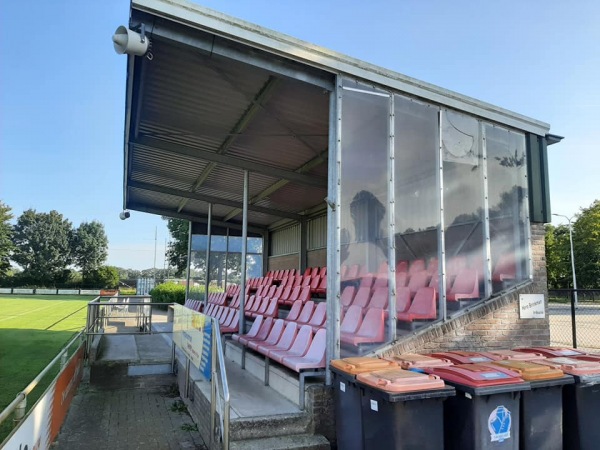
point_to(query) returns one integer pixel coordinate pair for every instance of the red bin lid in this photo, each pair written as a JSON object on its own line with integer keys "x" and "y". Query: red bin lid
{"x": 573, "y": 366}
{"x": 477, "y": 375}
{"x": 551, "y": 352}
{"x": 514, "y": 355}
{"x": 464, "y": 357}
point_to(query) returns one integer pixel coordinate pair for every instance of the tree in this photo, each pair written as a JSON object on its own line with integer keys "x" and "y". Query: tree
{"x": 558, "y": 258}
{"x": 178, "y": 247}
{"x": 90, "y": 247}
{"x": 6, "y": 243}
{"x": 104, "y": 277}
{"x": 586, "y": 246}
{"x": 43, "y": 244}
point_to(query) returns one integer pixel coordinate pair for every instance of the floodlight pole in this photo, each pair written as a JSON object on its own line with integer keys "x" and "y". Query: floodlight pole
{"x": 572, "y": 255}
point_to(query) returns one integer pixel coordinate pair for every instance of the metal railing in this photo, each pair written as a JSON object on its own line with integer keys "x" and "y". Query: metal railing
{"x": 219, "y": 380}
{"x": 19, "y": 404}
{"x": 133, "y": 311}
{"x": 575, "y": 321}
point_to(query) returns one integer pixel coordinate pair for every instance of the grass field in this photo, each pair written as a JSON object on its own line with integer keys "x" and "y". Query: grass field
{"x": 33, "y": 329}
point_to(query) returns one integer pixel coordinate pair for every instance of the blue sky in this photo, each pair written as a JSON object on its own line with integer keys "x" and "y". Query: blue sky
{"x": 62, "y": 89}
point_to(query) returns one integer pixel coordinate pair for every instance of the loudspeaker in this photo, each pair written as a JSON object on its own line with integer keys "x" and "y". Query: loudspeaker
{"x": 129, "y": 42}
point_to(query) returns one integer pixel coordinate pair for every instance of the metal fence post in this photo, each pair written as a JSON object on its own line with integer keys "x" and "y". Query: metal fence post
{"x": 573, "y": 321}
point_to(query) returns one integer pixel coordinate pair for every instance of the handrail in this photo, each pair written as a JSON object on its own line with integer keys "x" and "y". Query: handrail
{"x": 22, "y": 396}
{"x": 218, "y": 356}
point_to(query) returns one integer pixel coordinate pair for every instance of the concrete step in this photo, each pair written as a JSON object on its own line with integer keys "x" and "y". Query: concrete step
{"x": 297, "y": 441}
{"x": 241, "y": 429}
{"x": 125, "y": 375}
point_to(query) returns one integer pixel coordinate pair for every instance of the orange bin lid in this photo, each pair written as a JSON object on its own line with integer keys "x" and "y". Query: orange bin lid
{"x": 414, "y": 360}
{"x": 465, "y": 357}
{"x": 477, "y": 375}
{"x": 399, "y": 381}
{"x": 573, "y": 366}
{"x": 551, "y": 352}
{"x": 530, "y": 371}
{"x": 361, "y": 364}
{"x": 517, "y": 356}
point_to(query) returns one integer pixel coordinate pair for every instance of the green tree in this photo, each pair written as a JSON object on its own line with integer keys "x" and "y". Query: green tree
{"x": 586, "y": 246}
{"x": 558, "y": 257}
{"x": 104, "y": 277}
{"x": 43, "y": 244}
{"x": 6, "y": 243}
{"x": 178, "y": 247}
{"x": 90, "y": 247}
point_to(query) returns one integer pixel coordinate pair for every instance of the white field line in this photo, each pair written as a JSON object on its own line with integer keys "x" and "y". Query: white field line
{"x": 31, "y": 311}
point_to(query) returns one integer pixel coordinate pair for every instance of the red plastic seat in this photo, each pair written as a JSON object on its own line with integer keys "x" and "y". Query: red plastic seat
{"x": 372, "y": 329}
{"x": 401, "y": 279}
{"x": 423, "y": 306}
{"x": 455, "y": 265}
{"x": 362, "y": 297}
{"x": 307, "y": 311}
{"x": 381, "y": 280}
{"x": 226, "y": 318}
{"x": 307, "y": 271}
{"x": 285, "y": 341}
{"x": 234, "y": 324}
{"x": 304, "y": 294}
{"x": 347, "y": 296}
{"x": 379, "y": 298}
{"x": 318, "y": 317}
{"x": 295, "y": 311}
{"x": 285, "y": 294}
{"x": 262, "y": 309}
{"x": 432, "y": 265}
{"x": 505, "y": 269}
{"x": 402, "y": 299}
{"x": 352, "y": 272}
{"x": 402, "y": 266}
{"x": 323, "y": 271}
{"x": 261, "y": 334}
{"x": 352, "y": 320}
{"x": 383, "y": 267}
{"x": 272, "y": 308}
{"x": 272, "y": 338}
{"x": 315, "y": 356}
{"x": 465, "y": 286}
{"x": 253, "y": 329}
{"x": 416, "y": 265}
{"x": 417, "y": 281}
{"x": 366, "y": 281}
{"x": 298, "y": 348}
{"x": 322, "y": 288}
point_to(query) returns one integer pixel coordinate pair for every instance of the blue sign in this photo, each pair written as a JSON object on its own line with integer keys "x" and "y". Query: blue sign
{"x": 499, "y": 424}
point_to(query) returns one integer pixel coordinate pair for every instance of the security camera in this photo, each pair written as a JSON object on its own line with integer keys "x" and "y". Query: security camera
{"x": 124, "y": 214}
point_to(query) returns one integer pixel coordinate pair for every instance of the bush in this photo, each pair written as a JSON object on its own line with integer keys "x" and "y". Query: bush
{"x": 168, "y": 293}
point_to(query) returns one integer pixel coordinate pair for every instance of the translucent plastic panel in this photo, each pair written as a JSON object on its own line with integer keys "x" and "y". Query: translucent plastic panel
{"x": 416, "y": 194}
{"x": 463, "y": 208}
{"x": 507, "y": 193}
{"x": 364, "y": 214}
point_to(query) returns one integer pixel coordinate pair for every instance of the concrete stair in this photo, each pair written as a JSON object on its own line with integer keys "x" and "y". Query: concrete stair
{"x": 299, "y": 442}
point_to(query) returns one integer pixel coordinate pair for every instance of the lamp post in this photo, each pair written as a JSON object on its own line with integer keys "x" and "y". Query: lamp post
{"x": 572, "y": 254}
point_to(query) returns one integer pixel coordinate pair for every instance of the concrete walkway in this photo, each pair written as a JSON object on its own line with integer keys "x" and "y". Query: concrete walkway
{"x": 129, "y": 420}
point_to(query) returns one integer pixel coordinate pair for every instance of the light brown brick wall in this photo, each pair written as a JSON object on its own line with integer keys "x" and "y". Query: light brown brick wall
{"x": 493, "y": 324}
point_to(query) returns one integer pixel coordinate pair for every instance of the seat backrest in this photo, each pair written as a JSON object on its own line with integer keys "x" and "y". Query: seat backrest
{"x": 319, "y": 315}
{"x": 424, "y": 303}
{"x": 383, "y": 267}
{"x": 366, "y": 281}
{"x": 272, "y": 308}
{"x": 416, "y": 265}
{"x": 294, "y": 294}
{"x": 308, "y": 271}
{"x": 347, "y": 296}
{"x": 402, "y": 299}
{"x": 276, "y": 332}
{"x": 418, "y": 280}
{"x": 265, "y": 328}
{"x": 317, "y": 348}
{"x": 306, "y": 280}
{"x": 285, "y": 294}
{"x": 288, "y": 336}
{"x": 304, "y": 294}
{"x": 373, "y": 325}
{"x": 456, "y": 264}
{"x": 264, "y": 305}
{"x": 323, "y": 283}
{"x": 302, "y": 341}
{"x": 402, "y": 266}
{"x": 401, "y": 279}
{"x": 379, "y": 299}
{"x": 249, "y": 303}
{"x": 381, "y": 280}
{"x": 297, "y": 280}
{"x": 257, "y": 304}
{"x": 505, "y": 268}
{"x": 465, "y": 282}
{"x": 307, "y": 311}
{"x": 315, "y": 281}
{"x": 295, "y": 310}
{"x": 362, "y": 297}
{"x": 352, "y": 271}
{"x": 235, "y": 319}
{"x": 323, "y": 271}
{"x": 352, "y": 320}
{"x": 432, "y": 265}
{"x": 227, "y": 317}
{"x": 315, "y": 271}
{"x": 255, "y": 326}
{"x": 271, "y": 292}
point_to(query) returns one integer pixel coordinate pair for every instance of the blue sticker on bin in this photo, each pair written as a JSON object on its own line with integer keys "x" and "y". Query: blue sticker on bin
{"x": 499, "y": 424}
{"x": 494, "y": 375}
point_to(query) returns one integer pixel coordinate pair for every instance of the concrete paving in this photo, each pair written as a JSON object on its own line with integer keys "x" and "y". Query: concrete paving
{"x": 129, "y": 420}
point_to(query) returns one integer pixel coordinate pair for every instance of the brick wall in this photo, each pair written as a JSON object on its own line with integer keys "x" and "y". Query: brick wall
{"x": 284, "y": 262}
{"x": 492, "y": 324}
{"x": 320, "y": 405}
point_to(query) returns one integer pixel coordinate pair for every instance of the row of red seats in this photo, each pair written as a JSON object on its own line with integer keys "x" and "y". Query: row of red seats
{"x": 195, "y": 305}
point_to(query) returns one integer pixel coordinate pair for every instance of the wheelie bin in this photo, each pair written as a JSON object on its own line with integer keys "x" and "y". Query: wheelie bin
{"x": 484, "y": 414}
{"x": 347, "y": 397}
{"x": 552, "y": 352}
{"x": 415, "y": 361}
{"x": 466, "y": 357}
{"x": 581, "y": 403}
{"x": 514, "y": 355}
{"x": 541, "y": 407}
{"x": 402, "y": 410}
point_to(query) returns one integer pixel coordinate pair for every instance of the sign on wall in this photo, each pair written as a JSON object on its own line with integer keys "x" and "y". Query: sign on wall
{"x": 192, "y": 333}
{"x": 532, "y": 306}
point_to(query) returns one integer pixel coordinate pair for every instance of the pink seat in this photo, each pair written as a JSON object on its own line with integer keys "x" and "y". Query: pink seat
{"x": 272, "y": 308}
{"x": 314, "y": 358}
{"x": 372, "y": 329}
{"x": 416, "y": 265}
{"x": 505, "y": 269}
{"x": 432, "y": 265}
{"x": 366, "y": 281}
{"x": 315, "y": 272}
{"x": 465, "y": 286}
{"x": 285, "y": 294}
{"x": 262, "y": 309}
{"x": 262, "y": 333}
{"x": 295, "y": 311}
{"x": 347, "y": 296}
{"x": 272, "y": 338}
{"x": 402, "y": 266}
{"x": 318, "y": 318}
{"x": 322, "y": 288}
{"x": 323, "y": 271}
{"x": 379, "y": 299}
{"x": 418, "y": 280}
{"x": 314, "y": 284}
{"x": 294, "y": 294}
{"x": 352, "y": 320}
{"x": 401, "y": 279}
{"x": 381, "y": 280}
{"x": 402, "y": 299}
{"x": 298, "y": 348}
{"x": 253, "y": 329}
{"x": 307, "y": 271}
{"x": 383, "y": 267}
{"x": 362, "y": 297}
{"x": 352, "y": 272}
{"x": 307, "y": 311}
{"x": 455, "y": 265}
{"x": 225, "y": 319}
{"x": 285, "y": 341}
{"x": 234, "y": 324}
{"x": 423, "y": 306}
{"x": 304, "y": 294}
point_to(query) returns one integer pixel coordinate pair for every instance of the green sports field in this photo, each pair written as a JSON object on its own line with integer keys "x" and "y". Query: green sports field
{"x": 33, "y": 329}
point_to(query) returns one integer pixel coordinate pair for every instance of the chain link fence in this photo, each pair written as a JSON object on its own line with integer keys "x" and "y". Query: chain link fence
{"x": 575, "y": 322}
